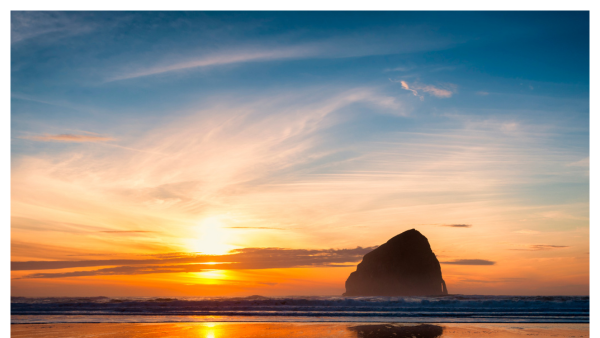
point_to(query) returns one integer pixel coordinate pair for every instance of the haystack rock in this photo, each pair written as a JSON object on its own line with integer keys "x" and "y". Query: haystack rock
{"x": 404, "y": 266}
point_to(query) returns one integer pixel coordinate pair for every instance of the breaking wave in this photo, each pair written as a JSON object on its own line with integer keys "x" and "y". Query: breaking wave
{"x": 453, "y": 308}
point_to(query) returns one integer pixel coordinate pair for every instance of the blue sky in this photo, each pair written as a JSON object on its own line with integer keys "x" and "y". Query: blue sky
{"x": 385, "y": 118}
{"x": 73, "y": 69}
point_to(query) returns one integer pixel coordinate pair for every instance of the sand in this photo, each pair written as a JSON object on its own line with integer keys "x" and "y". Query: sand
{"x": 293, "y": 330}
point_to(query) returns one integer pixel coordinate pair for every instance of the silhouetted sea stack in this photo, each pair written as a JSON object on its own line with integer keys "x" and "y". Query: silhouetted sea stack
{"x": 404, "y": 266}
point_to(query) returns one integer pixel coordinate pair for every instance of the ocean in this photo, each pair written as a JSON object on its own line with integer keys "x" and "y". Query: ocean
{"x": 444, "y": 309}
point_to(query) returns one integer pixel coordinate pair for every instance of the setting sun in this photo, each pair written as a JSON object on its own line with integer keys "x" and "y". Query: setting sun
{"x": 212, "y": 276}
{"x": 211, "y": 237}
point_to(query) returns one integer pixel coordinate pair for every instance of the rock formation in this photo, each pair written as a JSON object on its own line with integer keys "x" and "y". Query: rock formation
{"x": 397, "y": 330}
{"x": 404, "y": 266}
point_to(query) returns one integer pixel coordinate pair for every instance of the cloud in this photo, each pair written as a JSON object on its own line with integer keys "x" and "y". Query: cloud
{"x": 326, "y": 46}
{"x": 30, "y": 24}
{"x": 469, "y": 262}
{"x": 406, "y": 87}
{"x": 482, "y": 93}
{"x": 127, "y": 270}
{"x": 437, "y": 92}
{"x": 457, "y": 225}
{"x": 125, "y": 231}
{"x": 499, "y": 280}
{"x": 585, "y": 162}
{"x": 238, "y": 259}
{"x": 223, "y": 58}
{"x": 526, "y": 232}
{"x": 541, "y": 247}
{"x": 429, "y": 89}
{"x": 397, "y": 69}
{"x": 277, "y": 160}
{"x": 260, "y": 228}
{"x": 70, "y": 138}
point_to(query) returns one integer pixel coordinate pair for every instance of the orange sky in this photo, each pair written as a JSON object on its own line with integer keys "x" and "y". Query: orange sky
{"x": 286, "y": 144}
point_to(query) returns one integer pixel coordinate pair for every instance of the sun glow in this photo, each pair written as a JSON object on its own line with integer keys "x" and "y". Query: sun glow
{"x": 212, "y": 274}
{"x": 211, "y": 237}
{"x": 211, "y": 277}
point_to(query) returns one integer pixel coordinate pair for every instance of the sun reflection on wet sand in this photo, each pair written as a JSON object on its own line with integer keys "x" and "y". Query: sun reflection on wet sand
{"x": 211, "y": 329}
{"x": 297, "y": 330}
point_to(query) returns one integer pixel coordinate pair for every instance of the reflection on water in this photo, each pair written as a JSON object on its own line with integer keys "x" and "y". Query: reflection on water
{"x": 397, "y": 331}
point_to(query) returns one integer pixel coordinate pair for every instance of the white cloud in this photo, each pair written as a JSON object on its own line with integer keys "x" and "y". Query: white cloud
{"x": 216, "y": 60}
{"x": 437, "y": 92}
{"x": 429, "y": 89}
{"x": 397, "y": 69}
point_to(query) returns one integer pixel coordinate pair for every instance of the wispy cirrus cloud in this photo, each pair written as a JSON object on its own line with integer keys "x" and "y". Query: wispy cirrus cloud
{"x": 126, "y": 231}
{"x": 469, "y": 262}
{"x": 437, "y": 92}
{"x": 257, "y": 228}
{"x": 70, "y": 138}
{"x": 397, "y": 69}
{"x": 585, "y": 162}
{"x": 220, "y": 59}
{"x": 417, "y": 89}
{"x": 496, "y": 280}
{"x": 332, "y": 46}
{"x": 266, "y": 162}
{"x": 30, "y": 24}
{"x": 526, "y": 232}
{"x": 541, "y": 247}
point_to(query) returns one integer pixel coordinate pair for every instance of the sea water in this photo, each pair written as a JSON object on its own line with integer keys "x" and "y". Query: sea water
{"x": 444, "y": 309}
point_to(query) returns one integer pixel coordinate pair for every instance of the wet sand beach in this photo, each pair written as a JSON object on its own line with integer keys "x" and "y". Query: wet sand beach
{"x": 293, "y": 330}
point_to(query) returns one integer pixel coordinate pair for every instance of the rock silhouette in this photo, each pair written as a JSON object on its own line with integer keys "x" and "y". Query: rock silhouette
{"x": 404, "y": 266}
{"x": 397, "y": 331}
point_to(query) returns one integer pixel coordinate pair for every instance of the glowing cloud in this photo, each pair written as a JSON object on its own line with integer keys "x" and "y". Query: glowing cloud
{"x": 540, "y": 247}
{"x": 527, "y": 232}
{"x": 71, "y": 138}
{"x": 429, "y": 89}
{"x": 437, "y": 92}
{"x": 469, "y": 262}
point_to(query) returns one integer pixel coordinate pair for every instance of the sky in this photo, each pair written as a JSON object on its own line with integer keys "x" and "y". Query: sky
{"x": 243, "y": 153}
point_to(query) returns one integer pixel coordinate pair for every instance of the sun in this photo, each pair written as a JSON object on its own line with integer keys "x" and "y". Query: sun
{"x": 212, "y": 237}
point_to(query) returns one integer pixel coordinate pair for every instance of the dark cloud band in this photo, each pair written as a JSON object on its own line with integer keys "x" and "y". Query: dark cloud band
{"x": 457, "y": 225}
{"x": 248, "y": 258}
{"x": 469, "y": 262}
